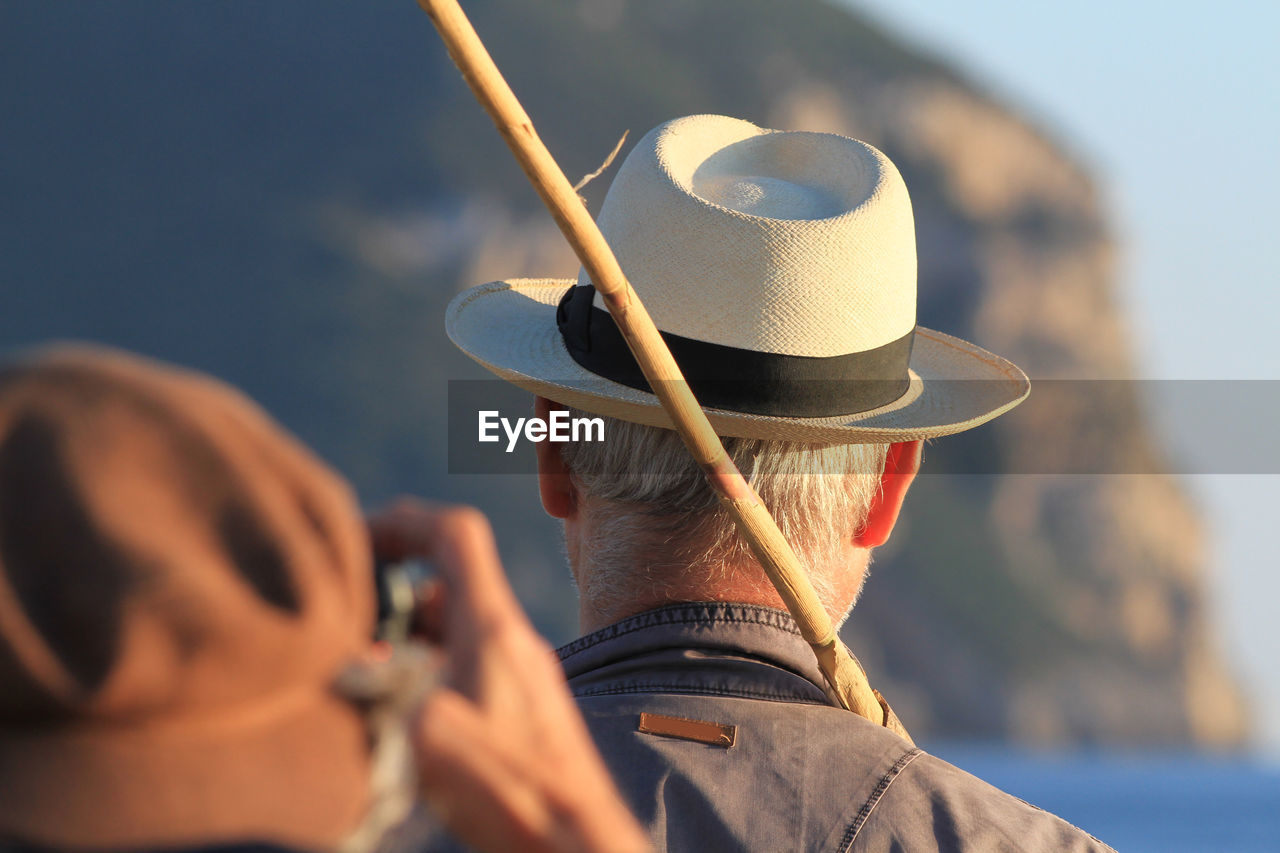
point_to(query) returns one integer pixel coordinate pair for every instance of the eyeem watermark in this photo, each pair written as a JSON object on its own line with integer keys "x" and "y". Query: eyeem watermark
{"x": 1091, "y": 427}
{"x": 559, "y": 427}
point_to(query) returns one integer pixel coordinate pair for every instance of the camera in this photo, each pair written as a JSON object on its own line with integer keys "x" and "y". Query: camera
{"x": 396, "y": 585}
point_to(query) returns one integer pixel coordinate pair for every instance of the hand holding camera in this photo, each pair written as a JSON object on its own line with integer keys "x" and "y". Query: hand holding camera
{"x": 500, "y": 747}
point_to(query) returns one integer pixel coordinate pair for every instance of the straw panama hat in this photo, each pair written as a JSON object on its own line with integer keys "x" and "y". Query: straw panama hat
{"x": 781, "y": 268}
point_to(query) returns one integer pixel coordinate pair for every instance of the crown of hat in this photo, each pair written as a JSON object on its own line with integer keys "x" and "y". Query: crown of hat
{"x": 157, "y": 533}
{"x": 180, "y": 582}
{"x": 794, "y": 243}
{"x": 780, "y": 267}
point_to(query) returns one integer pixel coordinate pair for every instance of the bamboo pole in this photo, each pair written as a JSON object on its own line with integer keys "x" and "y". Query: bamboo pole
{"x": 843, "y": 673}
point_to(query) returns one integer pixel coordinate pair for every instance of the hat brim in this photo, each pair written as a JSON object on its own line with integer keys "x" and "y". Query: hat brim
{"x": 290, "y": 770}
{"x": 509, "y": 327}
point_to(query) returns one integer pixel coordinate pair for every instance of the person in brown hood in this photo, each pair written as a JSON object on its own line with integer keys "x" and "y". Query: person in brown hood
{"x": 186, "y": 601}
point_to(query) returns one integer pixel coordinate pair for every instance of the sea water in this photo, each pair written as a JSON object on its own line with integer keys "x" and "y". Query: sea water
{"x": 1142, "y": 803}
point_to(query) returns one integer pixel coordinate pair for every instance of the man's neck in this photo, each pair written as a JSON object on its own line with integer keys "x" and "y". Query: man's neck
{"x": 737, "y": 583}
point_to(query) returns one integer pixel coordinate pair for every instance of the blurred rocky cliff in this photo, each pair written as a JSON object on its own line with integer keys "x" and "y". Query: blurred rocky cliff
{"x": 287, "y": 194}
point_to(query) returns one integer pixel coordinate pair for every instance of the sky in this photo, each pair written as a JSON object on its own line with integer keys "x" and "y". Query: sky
{"x": 1175, "y": 106}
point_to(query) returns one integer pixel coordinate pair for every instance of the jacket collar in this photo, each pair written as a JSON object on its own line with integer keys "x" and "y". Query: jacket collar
{"x": 703, "y": 647}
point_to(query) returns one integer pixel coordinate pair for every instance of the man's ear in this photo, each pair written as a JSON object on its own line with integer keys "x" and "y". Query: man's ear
{"x": 900, "y": 467}
{"x": 559, "y": 498}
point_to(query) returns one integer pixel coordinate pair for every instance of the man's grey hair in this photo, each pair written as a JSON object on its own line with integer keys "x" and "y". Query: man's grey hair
{"x": 649, "y": 512}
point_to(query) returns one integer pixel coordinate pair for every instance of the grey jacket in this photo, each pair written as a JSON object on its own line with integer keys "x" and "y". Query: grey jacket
{"x": 800, "y": 774}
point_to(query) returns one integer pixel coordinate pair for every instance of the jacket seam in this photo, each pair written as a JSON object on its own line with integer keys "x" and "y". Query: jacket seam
{"x": 851, "y": 833}
{"x": 696, "y": 614}
{"x": 694, "y": 691}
